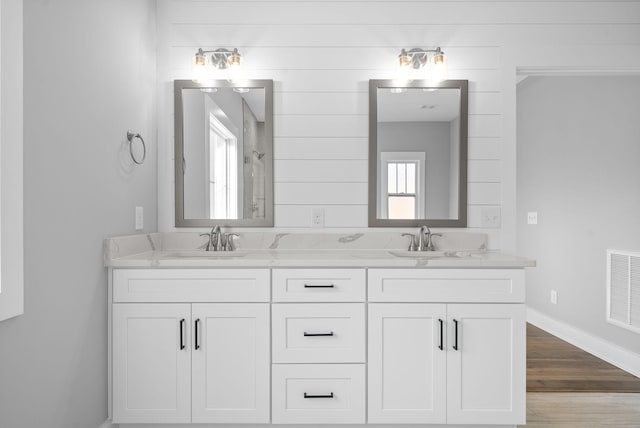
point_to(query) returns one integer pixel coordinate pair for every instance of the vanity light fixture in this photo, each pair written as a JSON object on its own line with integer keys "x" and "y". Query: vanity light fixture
{"x": 417, "y": 58}
{"x": 220, "y": 59}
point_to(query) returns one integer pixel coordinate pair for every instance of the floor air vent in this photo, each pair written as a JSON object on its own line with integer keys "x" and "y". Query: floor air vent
{"x": 623, "y": 289}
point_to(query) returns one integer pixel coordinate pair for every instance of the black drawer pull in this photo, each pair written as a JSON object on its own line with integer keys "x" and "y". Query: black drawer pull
{"x": 319, "y": 286}
{"x": 455, "y": 342}
{"x": 441, "y": 346}
{"x": 318, "y": 396}
{"x": 182, "y": 345}
{"x": 197, "y": 342}
{"x": 318, "y": 334}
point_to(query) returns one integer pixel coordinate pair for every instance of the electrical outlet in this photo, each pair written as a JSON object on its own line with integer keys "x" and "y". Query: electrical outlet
{"x": 554, "y": 297}
{"x": 490, "y": 217}
{"x": 317, "y": 217}
{"x": 139, "y": 218}
{"x": 532, "y": 217}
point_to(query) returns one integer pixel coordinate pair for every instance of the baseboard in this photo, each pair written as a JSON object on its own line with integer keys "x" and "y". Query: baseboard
{"x": 108, "y": 424}
{"x": 613, "y": 354}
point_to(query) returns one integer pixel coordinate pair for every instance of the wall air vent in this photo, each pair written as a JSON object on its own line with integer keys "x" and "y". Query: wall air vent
{"x": 623, "y": 289}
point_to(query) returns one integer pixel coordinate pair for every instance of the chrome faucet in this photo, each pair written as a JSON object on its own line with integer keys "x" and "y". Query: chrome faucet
{"x": 216, "y": 234}
{"x": 213, "y": 244}
{"x": 219, "y": 241}
{"x": 425, "y": 232}
{"x": 425, "y": 241}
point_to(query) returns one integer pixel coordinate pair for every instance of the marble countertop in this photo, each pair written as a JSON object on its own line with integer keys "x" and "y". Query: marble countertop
{"x": 288, "y": 250}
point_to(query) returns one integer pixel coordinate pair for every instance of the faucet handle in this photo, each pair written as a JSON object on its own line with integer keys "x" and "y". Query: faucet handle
{"x": 208, "y": 244}
{"x": 228, "y": 239}
{"x": 429, "y": 245}
{"x": 412, "y": 241}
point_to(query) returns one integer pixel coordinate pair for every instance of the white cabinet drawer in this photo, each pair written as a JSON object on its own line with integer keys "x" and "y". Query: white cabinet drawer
{"x": 319, "y": 285}
{"x": 318, "y": 393}
{"x": 191, "y": 285}
{"x": 318, "y": 333}
{"x": 447, "y": 285}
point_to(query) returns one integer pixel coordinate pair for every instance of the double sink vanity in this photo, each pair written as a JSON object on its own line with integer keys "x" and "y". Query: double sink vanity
{"x": 315, "y": 329}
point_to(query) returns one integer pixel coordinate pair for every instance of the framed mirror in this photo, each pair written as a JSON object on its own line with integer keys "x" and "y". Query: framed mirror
{"x": 223, "y": 153}
{"x": 418, "y": 153}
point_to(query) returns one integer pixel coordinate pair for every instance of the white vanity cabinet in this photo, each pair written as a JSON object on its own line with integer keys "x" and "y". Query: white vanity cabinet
{"x": 318, "y": 331}
{"x": 288, "y": 345}
{"x": 151, "y": 363}
{"x": 205, "y": 360}
{"x": 433, "y": 360}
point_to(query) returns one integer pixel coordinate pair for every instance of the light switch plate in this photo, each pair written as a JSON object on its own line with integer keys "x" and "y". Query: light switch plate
{"x": 532, "y": 217}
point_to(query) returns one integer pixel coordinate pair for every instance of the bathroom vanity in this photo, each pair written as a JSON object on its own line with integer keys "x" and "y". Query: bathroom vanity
{"x": 343, "y": 335}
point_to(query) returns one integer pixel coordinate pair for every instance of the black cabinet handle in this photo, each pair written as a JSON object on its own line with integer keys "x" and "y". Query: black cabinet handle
{"x": 196, "y": 341}
{"x": 318, "y": 396}
{"x": 319, "y": 286}
{"x": 455, "y": 340}
{"x": 182, "y": 346}
{"x": 318, "y": 334}
{"x": 441, "y": 346}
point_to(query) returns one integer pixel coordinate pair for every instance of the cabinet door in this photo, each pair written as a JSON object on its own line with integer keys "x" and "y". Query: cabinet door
{"x": 407, "y": 368}
{"x": 486, "y": 374}
{"x": 151, "y": 363}
{"x": 231, "y": 363}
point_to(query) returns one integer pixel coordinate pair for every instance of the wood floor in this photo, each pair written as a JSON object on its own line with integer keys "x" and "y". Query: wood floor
{"x": 569, "y": 388}
{"x": 554, "y": 365}
{"x": 582, "y": 410}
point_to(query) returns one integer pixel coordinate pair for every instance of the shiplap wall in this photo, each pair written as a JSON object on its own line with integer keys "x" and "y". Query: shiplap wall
{"x": 321, "y": 55}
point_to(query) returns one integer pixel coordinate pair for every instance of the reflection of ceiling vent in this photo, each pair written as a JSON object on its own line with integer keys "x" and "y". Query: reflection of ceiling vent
{"x": 623, "y": 289}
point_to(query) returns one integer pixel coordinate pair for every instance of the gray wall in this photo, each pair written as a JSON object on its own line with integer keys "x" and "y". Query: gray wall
{"x": 89, "y": 75}
{"x": 578, "y": 166}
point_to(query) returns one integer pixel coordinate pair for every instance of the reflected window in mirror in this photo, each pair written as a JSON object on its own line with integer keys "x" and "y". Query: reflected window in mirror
{"x": 223, "y": 153}
{"x": 417, "y": 153}
{"x": 403, "y": 195}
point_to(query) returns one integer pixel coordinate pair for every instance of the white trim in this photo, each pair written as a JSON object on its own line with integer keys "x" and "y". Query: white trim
{"x": 11, "y": 160}
{"x": 622, "y": 358}
{"x": 525, "y": 72}
{"x": 108, "y": 424}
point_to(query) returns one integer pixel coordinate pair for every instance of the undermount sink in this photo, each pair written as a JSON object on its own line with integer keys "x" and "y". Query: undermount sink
{"x": 190, "y": 254}
{"x": 434, "y": 254}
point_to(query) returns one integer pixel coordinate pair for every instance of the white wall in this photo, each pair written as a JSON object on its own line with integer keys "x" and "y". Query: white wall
{"x": 322, "y": 54}
{"x": 578, "y": 157}
{"x": 89, "y": 76}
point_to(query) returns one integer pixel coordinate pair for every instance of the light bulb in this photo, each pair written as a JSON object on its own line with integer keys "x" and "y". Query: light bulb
{"x": 234, "y": 66}
{"x": 439, "y": 69}
{"x": 234, "y": 59}
{"x": 404, "y": 60}
{"x": 199, "y": 67}
{"x": 405, "y": 70}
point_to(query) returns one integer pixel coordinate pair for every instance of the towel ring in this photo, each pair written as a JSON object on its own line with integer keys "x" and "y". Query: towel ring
{"x": 130, "y": 136}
